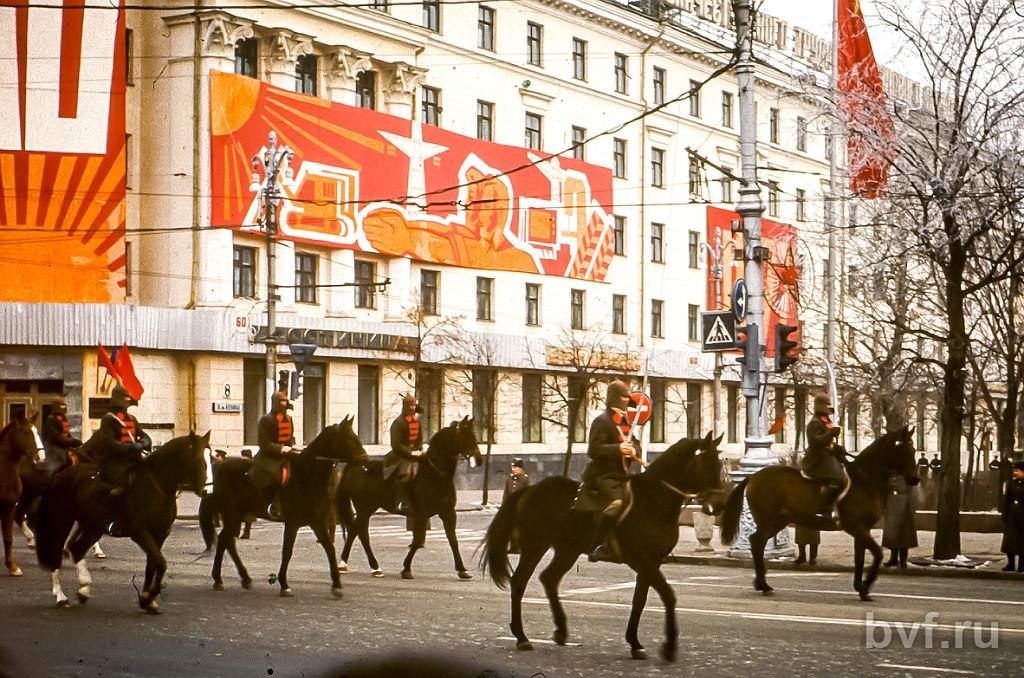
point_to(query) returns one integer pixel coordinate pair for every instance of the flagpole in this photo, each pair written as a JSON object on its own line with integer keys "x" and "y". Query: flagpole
{"x": 833, "y": 214}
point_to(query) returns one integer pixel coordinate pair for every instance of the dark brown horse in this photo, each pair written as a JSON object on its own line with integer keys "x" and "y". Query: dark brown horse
{"x": 780, "y": 495}
{"x": 542, "y": 516}
{"x": 19, "y": 441}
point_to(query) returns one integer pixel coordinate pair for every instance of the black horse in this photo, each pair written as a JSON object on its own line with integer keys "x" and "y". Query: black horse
{"x": 305, "y": 500}
{"x": 780, "y": 495}
{"x": 431, "y": 490}
{"x": 542, "y": 516}
{"x": 146, "y": 511}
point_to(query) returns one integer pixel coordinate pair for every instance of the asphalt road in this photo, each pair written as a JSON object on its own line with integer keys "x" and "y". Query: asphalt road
{"x": 813, "y": 625}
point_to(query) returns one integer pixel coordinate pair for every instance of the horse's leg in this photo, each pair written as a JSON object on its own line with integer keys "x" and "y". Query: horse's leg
{"x": 668, "y": 599}
{"x": 287, "y": 546}
{"x": 363, "y": 532}
{"x": 757, "y": 544}
{"x": 7, "y": 520}
{"x": 858, "y": 563}
{"x": 26, "y": 531}
{"x": 57, "y": 590}
{"x": 640, "y": 590}
{"x": 419, "y": 538}
{"x": 866, "y": 541}
{"x": 323, "y": 532}
{"x": 155, "y": 564}
{"x": 346, "y": 548}
{"x": 78, "y": 547}
{"x": 21, "y": 518}
{"x": 528, "y": 561}
{"x": 448, "y": 520}
{"x": 550, "y": 577}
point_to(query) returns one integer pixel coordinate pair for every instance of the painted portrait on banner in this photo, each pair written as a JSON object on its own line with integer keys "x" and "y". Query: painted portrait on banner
{"x": 62, "y": 152}
{"x": 373, "y": 182}
{"x": 781, "y": 272}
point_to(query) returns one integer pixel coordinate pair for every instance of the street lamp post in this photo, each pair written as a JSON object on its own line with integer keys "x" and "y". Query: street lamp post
{"x": 273, "y": 160}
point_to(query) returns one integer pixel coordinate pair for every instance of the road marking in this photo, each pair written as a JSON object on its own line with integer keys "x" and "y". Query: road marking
{"x": 764, "y": 616}
{"x": 542, "y": 642}
{"x": 908, "y": 596}
{"x": 598, "y": 589}
{"x": 923, "y": 668}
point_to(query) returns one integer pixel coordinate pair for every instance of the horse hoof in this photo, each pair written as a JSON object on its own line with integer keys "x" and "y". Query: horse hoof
{"x": 31, "y": 545}
{"x": 63, "y": 603}
{"x": 377, "y": 573}
{"x": 15, "y": 571}
{"x": 524, "y": 645}
{"x": 342, "y": 568}
{"x": 83, "y": 597}
{"x": 247, "y": 584}
{"x": 218, "y": 586}
{"x": 559, "y": 637}
{"x": 464, "y": 575}
{"x": 152, "y": 608}
{"x": 337, "y": 592}
{"x": 668, "y": 653}
{"x": 287, "y": 593}
{"x": 99, "y": 555}
{"x": 638, "y": 653}
{"x": 866, "y": 597}
{"x": 407, "y": 574}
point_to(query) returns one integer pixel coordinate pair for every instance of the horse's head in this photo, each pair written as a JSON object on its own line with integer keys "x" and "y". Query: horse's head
{"x": 903, "y": 455}
{"x": 197, "y": 450}
{"x": 345, "y": 444}
{"x": 22, "y": 438}
{"x": 692, "y": 467}
{"x": 710, "y": 493}
{"x": 458, "y": 439}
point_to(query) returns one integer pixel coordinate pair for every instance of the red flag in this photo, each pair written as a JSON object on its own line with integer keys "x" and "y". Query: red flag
{"x": 777, "y": 425}
{"x": 126, "y": 373}
{"x": 105, "y": 361}
{"x": 862, "y": 99}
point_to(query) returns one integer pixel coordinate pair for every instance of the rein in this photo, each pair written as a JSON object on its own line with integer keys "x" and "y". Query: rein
{"x": 687, "y": 496}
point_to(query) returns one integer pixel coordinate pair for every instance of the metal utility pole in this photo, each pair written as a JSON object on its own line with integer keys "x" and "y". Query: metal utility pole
{"x": 757, "y": 442}
{"x": 274, "y": 158}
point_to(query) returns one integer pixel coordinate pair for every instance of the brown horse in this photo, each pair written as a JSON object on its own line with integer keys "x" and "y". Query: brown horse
{"x": 780, "y": 495}
{"x": 18, "y": 440}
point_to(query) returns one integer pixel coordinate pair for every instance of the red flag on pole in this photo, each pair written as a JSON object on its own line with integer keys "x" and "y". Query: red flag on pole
{"x": 862, "y": 99}
{"x": 104, "y": 360}
{"x": 126, "y": 373}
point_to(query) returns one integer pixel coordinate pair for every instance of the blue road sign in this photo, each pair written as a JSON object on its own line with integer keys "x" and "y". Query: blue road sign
{"x": 739, "y": 300}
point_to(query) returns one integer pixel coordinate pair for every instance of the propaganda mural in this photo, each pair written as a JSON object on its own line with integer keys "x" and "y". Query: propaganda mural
{"x": 368, "y": 181}
{"x": 781, "y": 272}
{"x": 62, "y": 152}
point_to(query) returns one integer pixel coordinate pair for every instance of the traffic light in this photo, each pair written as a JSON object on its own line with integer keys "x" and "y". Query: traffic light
{"x": 296, "y": 385}
{"x": 787, "y": 350}
{"x": 746, "y": 342}
{"x": 282, "y": 380}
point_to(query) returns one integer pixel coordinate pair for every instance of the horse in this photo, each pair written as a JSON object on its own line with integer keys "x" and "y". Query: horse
{"x": 543, "y": 518}
{"x": 431, "y": 490}
{"x": 780, "y": 495}
{"x": 305, "y": 500}
{"x": 19, "y": 440}
{"x": 146, "y": 511}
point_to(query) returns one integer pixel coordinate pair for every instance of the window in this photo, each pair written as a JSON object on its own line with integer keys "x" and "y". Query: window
{"x": 695, "y": 98}
{"x": 694, "y": 176}
{"x": 366, "y": 284}
{"x": 485, "y": 28}
{"x": 773, "y": 125}
{"x": 618, "y": 314}
{"x": 532, "y": 304}
{"x": 658, "y": 167}
{"x": 429, "y": 382}
{"x": 432, "y": 15}
{"x": 657, "y": 306}
{"x": 485, "y": 384}
{"x": 659, "y": 86}
{"x": 485, "y": 120}
{"x": 619, "y": 233}
{"x": 621, "y": 73}
{"x": 313, "y": 401}
{"x": 801, "y": 134}
{"x": 534, "y": 34}
{"x": 725, "y": 185}
{"x": 579, "y": 134}
{"x": 693, "y": 411}
{"x": 129, "y": 56}
{"x": 577, "y": 391}
{"x": 484, "y": 292}
{"x": 305, "y": 74}
{"x": 431, "y": 105}
{"x": 369, "y": 397}
{"x": 245, "y": 272}
{"x": 727, "y": 109}
{"x": 579, "y": 59}
{"x": 534, "y": 131}
{"x": 773, "y": 199}
{"x": 305, "y": 277}
{"x": 801, "y": 204}
{"x": 657, "y": 237}
{"x": 428, "y": 291}
{"x": 619, "y": 158}
{"x": 693, "y": 247}
{"x": 576, "y": 309}
{"x": 245, "y": 57}
{"x": 692, "y": 322}
{"x": 366, "y": 90}
{"x": 656, "y": 425}
{"x": 129, "y": 161}
{"x": 532, "y": 403}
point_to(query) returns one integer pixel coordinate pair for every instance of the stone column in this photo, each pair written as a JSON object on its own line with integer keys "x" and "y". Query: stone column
{"x": 283, "y": 47}
{"x": 346, "y": 63}
{"x": 400, "y": 82}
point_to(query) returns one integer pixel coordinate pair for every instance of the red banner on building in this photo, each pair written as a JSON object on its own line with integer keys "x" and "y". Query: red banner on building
{"x": 62, "y": 152}
{"x": 374, "y": 182}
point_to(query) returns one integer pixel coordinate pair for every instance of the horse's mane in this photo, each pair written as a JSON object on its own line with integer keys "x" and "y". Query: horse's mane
{"x": 681, "y": 449}
{"x": 878, "y": 447}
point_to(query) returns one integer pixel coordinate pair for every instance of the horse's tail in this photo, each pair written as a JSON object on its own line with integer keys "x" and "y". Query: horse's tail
{"x": 207, "y": 511}
{"x": 730, "y": 520}
{"x": 54, "y": 521}
{"x": 494, "y": 558}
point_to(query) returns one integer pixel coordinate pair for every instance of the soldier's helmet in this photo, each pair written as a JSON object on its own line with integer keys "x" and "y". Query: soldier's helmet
{"x": 822, "y": 403}
{"x": 120, "y": 394}
{"x": 616, "y": 390}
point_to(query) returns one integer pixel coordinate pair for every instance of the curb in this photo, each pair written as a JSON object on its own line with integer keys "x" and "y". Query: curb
{"x": 912, "y": 571}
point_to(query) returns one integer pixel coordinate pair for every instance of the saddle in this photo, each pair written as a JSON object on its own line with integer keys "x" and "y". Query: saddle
{"x": 591, "y": 501}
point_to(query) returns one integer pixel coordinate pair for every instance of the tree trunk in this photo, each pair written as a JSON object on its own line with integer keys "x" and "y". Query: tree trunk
{"x": 574, "y": 407}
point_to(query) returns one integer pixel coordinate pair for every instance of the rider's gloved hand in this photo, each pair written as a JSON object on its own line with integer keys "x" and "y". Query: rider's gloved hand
{"x": 139, "y": 447}
{"x": 75, "y": 442}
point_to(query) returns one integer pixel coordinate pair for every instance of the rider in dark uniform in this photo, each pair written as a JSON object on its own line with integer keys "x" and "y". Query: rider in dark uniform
{"x": 122, "y": 448}
{"x": 56, "y": 434}
{"x": 401, "y": 462}
{"x": 276, "y": 436}
{"x": 822, "y": 460}
{"x": 612, "y": 449}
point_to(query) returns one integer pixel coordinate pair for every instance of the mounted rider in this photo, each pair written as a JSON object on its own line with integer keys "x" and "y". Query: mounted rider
{"x": 276, "y": 436}
{"x": 124, "y": 442}
{"x": 56, "y": 435}
{"x": 612, "y": 448}
{"x": 402, "y": 461}
{"x": 823, "y": 459}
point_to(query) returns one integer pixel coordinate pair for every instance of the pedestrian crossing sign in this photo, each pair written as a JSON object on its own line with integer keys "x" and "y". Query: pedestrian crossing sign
{"x": 718, "y": 331}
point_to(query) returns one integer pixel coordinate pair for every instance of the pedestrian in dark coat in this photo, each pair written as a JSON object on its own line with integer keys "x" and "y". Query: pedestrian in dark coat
{"x": 899, "y": 532}
{"x": 1013, "y": 519}
{"x": 517, "y": 479}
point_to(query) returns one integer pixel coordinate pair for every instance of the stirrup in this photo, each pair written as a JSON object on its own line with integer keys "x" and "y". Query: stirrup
{"x": 604, "y": 554}
{"x": 274, "y": 513}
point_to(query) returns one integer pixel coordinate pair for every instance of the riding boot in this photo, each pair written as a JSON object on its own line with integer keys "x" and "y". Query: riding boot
{"x": 1010, "y": 558}
{"x": 608, "y": 548}
{"x": 904, "y": 553}
{"x": 828, "y": 493}
{"x": 802, "y": 558}
{"x": 893, "y": 558}
{"x": 814, "y": 555}
{"x": 401, "y": 505}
